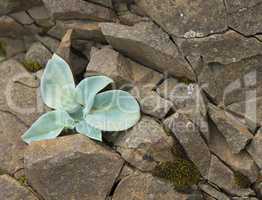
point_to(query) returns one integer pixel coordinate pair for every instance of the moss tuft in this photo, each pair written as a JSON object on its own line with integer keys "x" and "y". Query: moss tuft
{"x": 23, "y": 180}
{"x": 2, "y": 50}
{"x": 32, "y": 66}
{"x": 181, "y": 173}
{"x": 241, "y": 180}
{"x": 184, "y": 80}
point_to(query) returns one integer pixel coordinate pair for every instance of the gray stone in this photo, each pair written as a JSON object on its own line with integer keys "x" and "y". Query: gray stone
{"x": 20, "y": 106}
{"x": 184, "y": 18}
{"x": 106, "y": 3}
{"x": 234, "y": 82}
{"x": 151, "y": 103}
{"x": 10, "y": 189}
{"x": 71, "y": 167}
{"x": 39, "y": 54}
{"x": 223, "y": 48}
{"x": 41, "y": 16}
{"x": 190, "y": 138}
{"x": 213, "y": 192}
{"x": 249, "y": 110}
{"x": 22, "y": 17}
{"x": 245, "y": 16}
{"x": 145, "y": 145}
{"x": 258, "y": 188}
{"x": 50, "y": 43}
{"x": 8, "y": 6}
{"x": 236, "y": 134}
{"x": 149, "y": 45}
{"x": 221, "y": 175}
{"x": 167, "y": 87}
{"x": 241, "y": 162}
{"x": 78, "y": 9}
{"x": 255, "y": 148}
{"x": 146, "y": 187}
{"x": 11, "y": 47}
{"x": 10, "y": 28}
{"x": 124, "y": 71}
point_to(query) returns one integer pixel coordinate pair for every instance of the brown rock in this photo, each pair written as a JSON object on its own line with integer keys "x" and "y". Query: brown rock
{"x": 146, "y": 187}
{"x": 255, "y": 148}
{"x": 10, "y": 189}
{"x": 241, "y": 162}
{"x": 145, "y": 144}
{"x": 78, "y": 9}
{"x": 8, "y": 6}
{"x": 190, "y": 138}
{"x": 212, "y": 191}
{"x": 71, "y": 167}
{"x": 185, "y": 18}
{"x": 149, "y": 45}
{"x": 124, "y": 71}
{"x": 236, "y": 134}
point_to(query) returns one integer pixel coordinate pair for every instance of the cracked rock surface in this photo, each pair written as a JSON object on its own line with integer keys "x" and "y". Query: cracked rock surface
{"x": 195, "y": 68}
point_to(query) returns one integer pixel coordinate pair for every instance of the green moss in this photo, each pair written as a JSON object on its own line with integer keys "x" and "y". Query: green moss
{"x": 241, "y": 180}
{"x": 23, "y": 180}
{"x": 184, "y": 80}
{"x": 31, "y": 66}
{"x": 181, "y": 173}
{"x": 2, "y": 172}
{"x": 2, "y": 50}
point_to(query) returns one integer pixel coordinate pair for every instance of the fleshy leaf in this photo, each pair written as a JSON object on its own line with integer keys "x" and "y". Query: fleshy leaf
{"x": 88, "y": 88}
{"x": 57, "y": 85}
{"x": 114, "y": 110}
{"x": 48, "y": 126}
{"x": 85, "y": 129}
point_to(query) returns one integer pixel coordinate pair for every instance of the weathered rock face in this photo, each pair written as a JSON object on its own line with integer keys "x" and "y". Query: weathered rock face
{"x": 255, "y": 148}
{"x": 236, "y": 134}
{"x": 72, "y": 167}
{"x": 145, "y": 145}
{"x": 146, "y": 187}
{"x": 7, "y": 6}
{"x": 185, "y": 18}
{"x": 10, "y": 189}
{"x": 20, "y": 106}
{"x": 241, "y": 162}
{"x": 124, "y": 71}
{"x": 213, "y": 192}
{"x": 190, "y": 138}
{"x": 78, "y": 9}
{"x": 245, "y": 16}
{"x": 149, "y": 45}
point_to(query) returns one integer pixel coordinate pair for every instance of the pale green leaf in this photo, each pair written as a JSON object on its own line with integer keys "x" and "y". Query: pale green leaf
{"x": 85, "y": 129}
{"x": 57, "y": 85}
{"x": 88, "y": 88}
{"x": 113, "y": 110}
{"x": 48, "y": 126}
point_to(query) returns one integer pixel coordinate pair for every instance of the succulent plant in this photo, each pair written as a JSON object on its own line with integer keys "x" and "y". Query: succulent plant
{"x": 80, "y": 107}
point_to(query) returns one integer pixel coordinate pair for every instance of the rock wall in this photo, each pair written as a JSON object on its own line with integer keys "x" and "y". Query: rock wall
{"x": 194, "y": 66}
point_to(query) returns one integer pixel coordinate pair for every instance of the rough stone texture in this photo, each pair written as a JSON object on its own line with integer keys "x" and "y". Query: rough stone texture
{"x": 213, "y": 192}
{"x": 145, "y": 144}
{"x": 10, "y": 28}
{"x": 241, "y": 162}
{"x": 255, "y": 148}
{"x": 71, "y": 167}
{"x": 8, "y": 6}
{"x": 167, "y": 87}
{"x": 22, "y": 17}
{"x": 77, "y": 63}
{"x": 146, "y": 187}
{"x": 245, "y": 16}
{"x": 156, "y": 50}
{"x": 20, "y": 106}
{"x": 236, "y": 134}
{"x": 41, "y": 16}
{"x": 222, "y": 48}
{"x": 78, "y": 9}
{"x": 185, "y": 18}
{"x": 51, "y": 43}
{"x": 10, "y": 189}
{"x": 190, "y": 138}
{"x": 122, "y": 70}
{"x": 151, "y": 103}
{"x": 221, "y": 175}
{"x": 39, "y": 54}
{"x": 11, "y": 47}
{"x": 227, "y": 84}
